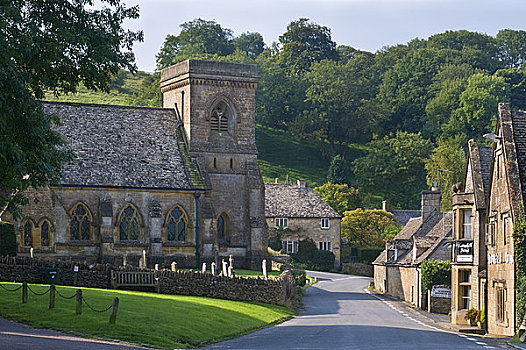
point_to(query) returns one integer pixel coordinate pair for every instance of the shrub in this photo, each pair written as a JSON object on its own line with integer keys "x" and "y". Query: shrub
{"x": 274, "y": 239}
{"x": 472, "y": 315}
{"x": 436, "y": 272}
{"x": 368, "y": 255}
{"x": 7, "y": 239}
{"x": 310, "y": 258}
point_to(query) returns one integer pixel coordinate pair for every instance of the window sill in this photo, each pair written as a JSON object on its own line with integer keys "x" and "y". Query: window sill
{"x": 178, "y": 244}
{"x": 130, "y": 244}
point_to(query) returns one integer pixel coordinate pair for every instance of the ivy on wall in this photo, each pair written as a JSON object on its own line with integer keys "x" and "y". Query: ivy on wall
{"x": 519, "y": 240}
{"x": 436, "y": 272}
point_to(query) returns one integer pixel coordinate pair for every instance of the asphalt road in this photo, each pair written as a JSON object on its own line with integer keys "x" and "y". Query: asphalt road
{"x": 339, "y": 314}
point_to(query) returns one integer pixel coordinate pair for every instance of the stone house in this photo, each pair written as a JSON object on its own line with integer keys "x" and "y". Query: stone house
{"x": 505, "y": 206}
{"x": 397, "y": 270}
{"x": 468, "y": 265}
{"x": 181, "y": 183}
{"x": 301, "y": 214}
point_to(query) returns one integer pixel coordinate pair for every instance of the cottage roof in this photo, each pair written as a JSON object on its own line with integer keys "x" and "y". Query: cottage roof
{"x": 118, "y": 146}
{"x": 291, "y": 201}
{"x": 519, "y": 137}
{"x": 403, "y": 216}
{"x": 486, "y": 155}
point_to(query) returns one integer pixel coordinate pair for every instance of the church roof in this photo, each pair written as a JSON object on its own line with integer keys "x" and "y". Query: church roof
{"x": 291, "y": 201}
{"x": 122, "y": 146}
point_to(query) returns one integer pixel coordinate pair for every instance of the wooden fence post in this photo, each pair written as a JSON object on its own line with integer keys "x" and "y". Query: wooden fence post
{"x": 113, "y": 315}
{"x": 24, "y": 293}
{"x": 52, "y": 296}
{"x": 79, "y": 302}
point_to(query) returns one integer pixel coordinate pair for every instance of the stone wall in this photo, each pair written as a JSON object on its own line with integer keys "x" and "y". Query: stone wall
{"x": 438, "y": 305}
{"x": 275, "y": 291}
{"x": 359, "y": 269}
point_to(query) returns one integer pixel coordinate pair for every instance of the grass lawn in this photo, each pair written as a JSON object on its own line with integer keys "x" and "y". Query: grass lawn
{"x": 241, "y": 272}
{"x": 156, "y": 320}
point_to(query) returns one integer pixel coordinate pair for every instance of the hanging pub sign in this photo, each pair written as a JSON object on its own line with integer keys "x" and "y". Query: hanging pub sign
{"x": 464, "y": 251}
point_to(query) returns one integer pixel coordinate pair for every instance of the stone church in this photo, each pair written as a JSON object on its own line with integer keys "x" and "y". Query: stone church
{"x": 181, "y": 183}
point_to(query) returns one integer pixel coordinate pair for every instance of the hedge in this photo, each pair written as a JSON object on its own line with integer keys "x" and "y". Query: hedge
{"x": 7, "y": 239}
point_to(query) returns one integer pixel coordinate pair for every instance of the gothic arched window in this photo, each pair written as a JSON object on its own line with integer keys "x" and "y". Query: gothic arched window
{"x": 220, "y": 118}
{"x": 129, "y": 224}
{"x": 223, "y": 234}
{"x": 44, "y": 233}
{"x": 80, "y": 224}
{"x": 176, "y": 223}
{"x": 28, "y": 234}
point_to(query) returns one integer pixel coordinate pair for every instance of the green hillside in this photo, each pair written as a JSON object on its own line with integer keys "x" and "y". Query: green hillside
{"x": 279, "y": 155}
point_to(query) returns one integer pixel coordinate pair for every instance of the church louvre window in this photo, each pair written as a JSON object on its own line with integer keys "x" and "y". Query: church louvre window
{"x": 223, "y": 229}
{"x": 129, "y": 224}
{"x": 28, "y": 234}
{"x": 80, "y": 224}
{"x": 220, "y": 119}
{"x": 176, "y": 224}
{"x": 44, "y": 233}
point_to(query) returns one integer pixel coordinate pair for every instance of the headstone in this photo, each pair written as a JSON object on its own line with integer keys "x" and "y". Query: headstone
{"x": 231, "y": 261}
{"x": 225, "y": 272}
{"x": 124, "y": 260}
{"x": 203, "y": 269}
{"x": 216, "y": 258}
{"x": 264, "y": 267}
{"x": 213, "y": 268}
{"x": 230, "y": 271}
{"x": 144, "y": 259}
{"x": 174, "y": 266}
{"x": 156, "y": 267}
{"x": 31, "y": 252}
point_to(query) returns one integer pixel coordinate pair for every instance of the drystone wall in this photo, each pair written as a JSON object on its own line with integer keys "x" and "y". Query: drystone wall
{"x": 274, "y": 291}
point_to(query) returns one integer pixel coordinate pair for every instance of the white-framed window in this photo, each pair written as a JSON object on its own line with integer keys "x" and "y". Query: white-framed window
{"x": 467, "y": 217}
{"x": 505, "y": 229}
{"x": 325, "y": 223}
{"x": 325, "y": 246}
{"x": 290, "y": 247}
{"x": 281, "y": 222}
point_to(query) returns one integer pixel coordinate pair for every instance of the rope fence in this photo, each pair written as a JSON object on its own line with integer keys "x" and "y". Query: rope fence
{"x": 79, "y": 299}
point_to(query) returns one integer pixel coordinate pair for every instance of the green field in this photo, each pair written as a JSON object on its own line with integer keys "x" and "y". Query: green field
{"x": 158, "y": 320}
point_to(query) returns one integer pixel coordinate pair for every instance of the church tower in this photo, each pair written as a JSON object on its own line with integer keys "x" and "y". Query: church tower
{"x": 215, "y": 102}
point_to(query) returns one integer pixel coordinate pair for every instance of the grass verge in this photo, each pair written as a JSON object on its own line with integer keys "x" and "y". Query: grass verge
{"x": 156, "y": 320}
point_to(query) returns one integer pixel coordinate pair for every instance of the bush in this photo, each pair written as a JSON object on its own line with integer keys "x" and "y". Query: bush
{"x": 300, "y": 278}
{"x": 436, "y": 272}
{"x": 7, "y": 239}
{"x": 274, "y": 239}
{"x": 472, "y": 315}
{"x": 368, "y": 255}
{"x": 310, "y": 258}
{"x": 520, "y": 288}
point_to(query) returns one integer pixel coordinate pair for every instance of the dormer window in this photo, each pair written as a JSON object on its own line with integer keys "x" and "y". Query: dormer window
{"x": 281, "y": 222}
{"x": 325, "y": 223}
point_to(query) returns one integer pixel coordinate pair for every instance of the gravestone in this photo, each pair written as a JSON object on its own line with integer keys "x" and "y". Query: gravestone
{"x": 264, "y": 267}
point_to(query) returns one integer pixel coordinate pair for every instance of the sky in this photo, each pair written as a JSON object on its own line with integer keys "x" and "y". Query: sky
{"x": 363, "y": 24}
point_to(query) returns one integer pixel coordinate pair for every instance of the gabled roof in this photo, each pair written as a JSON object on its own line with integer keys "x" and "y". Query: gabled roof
{"x": 121, "y": 146}
{"x": 291, "y": 201}
{"x": 403, "y": 216}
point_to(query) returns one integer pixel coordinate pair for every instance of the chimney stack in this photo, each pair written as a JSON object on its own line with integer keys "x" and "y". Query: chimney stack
{"x": 430, "y": 202}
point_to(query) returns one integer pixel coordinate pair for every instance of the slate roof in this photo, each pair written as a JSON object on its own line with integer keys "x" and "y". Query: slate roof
{"x": 403, "y": 216}
{"x": 290, "y": 201}
{"x": 121, "y": 146}
{"x": 519, "y": 137}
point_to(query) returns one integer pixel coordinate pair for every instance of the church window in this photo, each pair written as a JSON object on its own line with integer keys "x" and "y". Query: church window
{"x": 129, "y": 224}
{"x": 44, "y": 234}
{"x": 28, "y": 234}
{"x": 80, "y": 225}
{"x": 223, "y": 229}
{"x": 215, "y": 163}
{"x": 176, "y": 224}
{"x": 231, "y": 163}
{"x": 220, "y": 118}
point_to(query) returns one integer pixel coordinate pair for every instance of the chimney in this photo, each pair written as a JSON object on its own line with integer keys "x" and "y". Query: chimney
{"x": 430, "y": 202}
{"x": 302, "y": 184}
{"x": 276, "y": 180}
{"x": 385, "y": 205}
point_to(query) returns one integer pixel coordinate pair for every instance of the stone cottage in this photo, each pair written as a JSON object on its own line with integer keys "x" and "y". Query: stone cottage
{"x": 468, "y": 264}
{"x": 181, "y": 183}
{"x": 300, "y": 213}
{"x": 397, "y": 270}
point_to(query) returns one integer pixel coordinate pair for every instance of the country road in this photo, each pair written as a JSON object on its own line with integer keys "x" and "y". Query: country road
{"x": 339, "y": 314}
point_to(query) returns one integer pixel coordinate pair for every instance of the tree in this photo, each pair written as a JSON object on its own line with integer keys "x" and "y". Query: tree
{"x": 436, "y": 272}
{"x": 338, "y": 170}
{"x": 445, "y": 166}
{"x": 306, "y": 42}
{"x": 369, "y": 227}
{"x": 197, "y": 37}
{"x": 340, "y": 197}
{"x": 51, "y": 46}
{"x": 512, "y": 47}
{"x": 250, "y": 43}
{"x": 394, "y": 167}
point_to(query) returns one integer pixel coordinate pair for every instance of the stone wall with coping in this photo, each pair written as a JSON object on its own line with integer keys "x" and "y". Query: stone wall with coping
{"x": 278, "y": 291}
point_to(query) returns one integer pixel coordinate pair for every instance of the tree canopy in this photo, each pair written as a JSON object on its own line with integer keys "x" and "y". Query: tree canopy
{"x": 369, "y": 227}
{"x": 51, "y": 46}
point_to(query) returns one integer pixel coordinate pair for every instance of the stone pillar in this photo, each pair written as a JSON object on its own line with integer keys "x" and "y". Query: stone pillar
{"x": 156, "y": 226}
{"x": 106, "y": 230}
